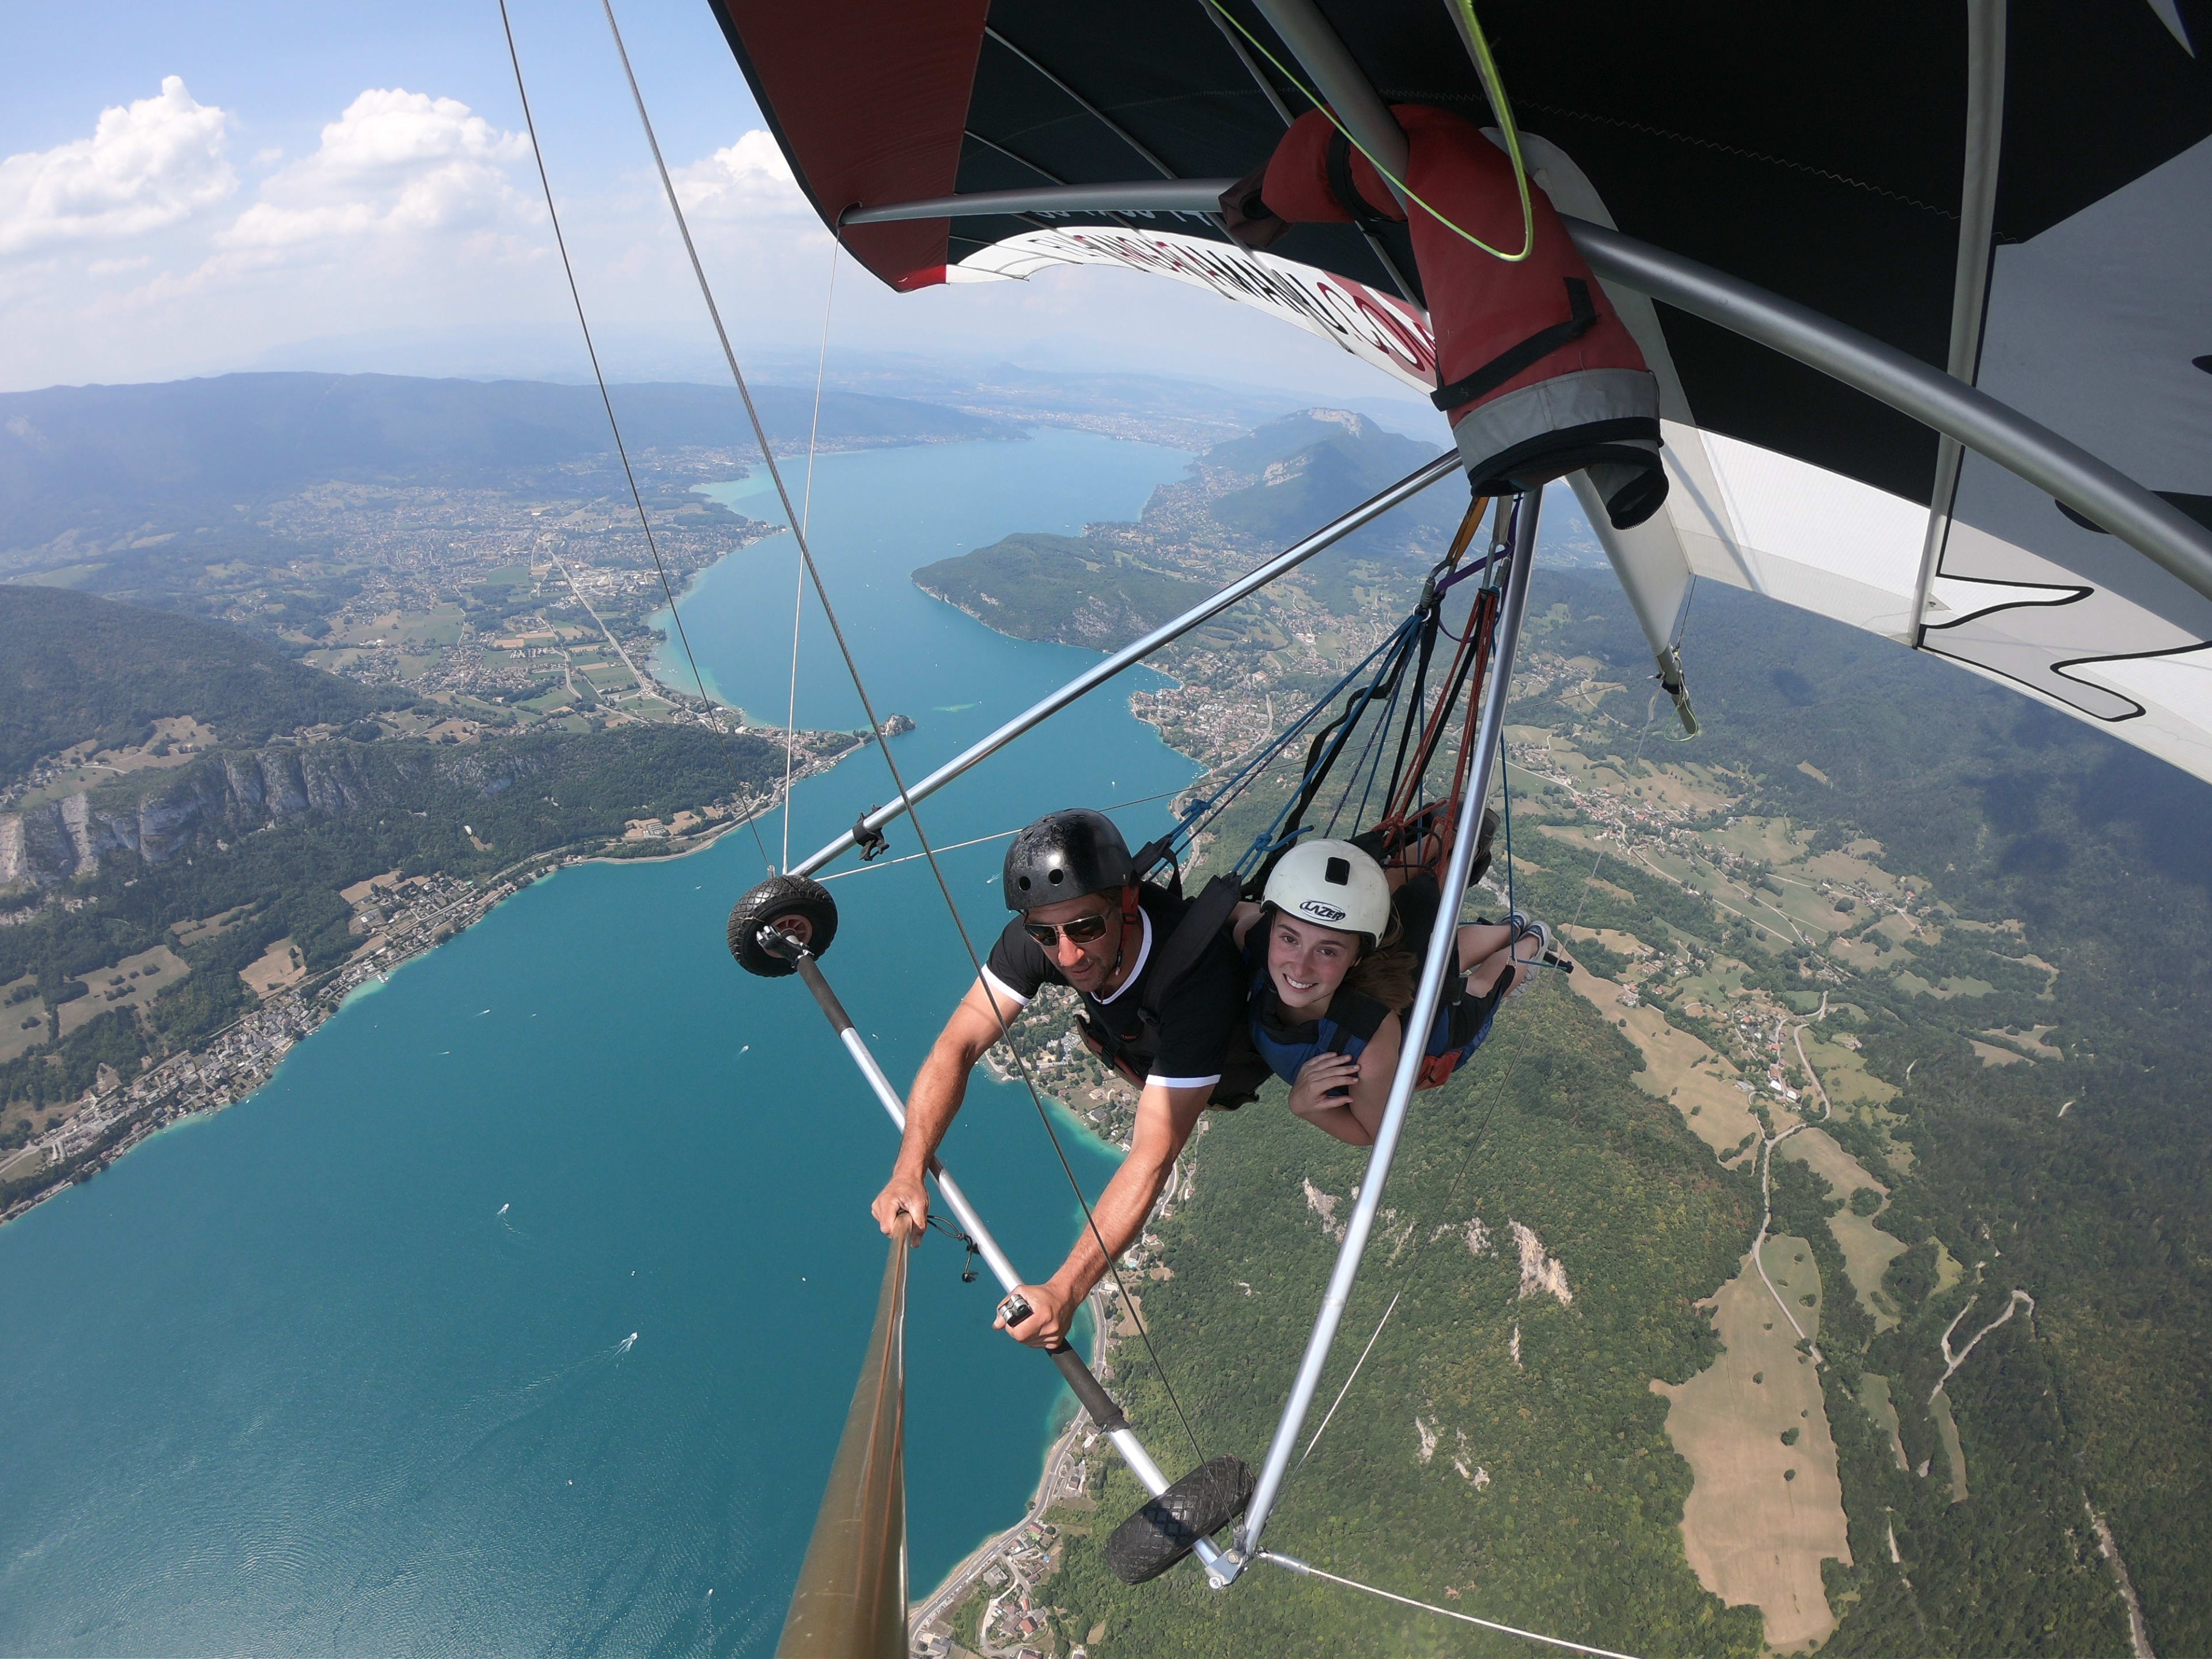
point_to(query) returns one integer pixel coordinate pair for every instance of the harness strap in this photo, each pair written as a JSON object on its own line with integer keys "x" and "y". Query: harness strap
{"x": 1207, "y": 914}
{"x": 1173, "y": 956}
{"x": 1582, "y": 317}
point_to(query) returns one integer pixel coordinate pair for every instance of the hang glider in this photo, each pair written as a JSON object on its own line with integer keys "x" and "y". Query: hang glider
{"x": 1922, "y": 297}
{"x": 1845, "y": 228}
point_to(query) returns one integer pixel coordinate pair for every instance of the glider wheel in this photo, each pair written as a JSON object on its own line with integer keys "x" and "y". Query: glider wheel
{"x": 791, "y": 905}
{"x": 1169, "y": 1528}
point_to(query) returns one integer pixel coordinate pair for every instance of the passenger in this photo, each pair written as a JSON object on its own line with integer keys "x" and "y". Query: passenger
{"x": 1162, "y": 1008}
{"x": 1332, "y": 966}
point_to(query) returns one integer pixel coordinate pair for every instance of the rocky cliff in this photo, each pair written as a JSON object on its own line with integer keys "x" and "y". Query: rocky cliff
{"x": 226, "y": 793}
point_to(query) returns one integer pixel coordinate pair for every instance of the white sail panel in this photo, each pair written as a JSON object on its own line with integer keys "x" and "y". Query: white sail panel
{"x": 2021, "y": 594}
{"x": 1379, "y": 328}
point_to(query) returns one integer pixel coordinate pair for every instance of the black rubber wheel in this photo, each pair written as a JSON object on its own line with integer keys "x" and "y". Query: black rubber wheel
{"x": 1169, "y": 1528}
{"x": 793, "y": 904}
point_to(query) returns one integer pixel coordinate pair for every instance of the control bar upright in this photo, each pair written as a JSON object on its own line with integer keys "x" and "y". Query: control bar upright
{"x": 1086, "y": 1388}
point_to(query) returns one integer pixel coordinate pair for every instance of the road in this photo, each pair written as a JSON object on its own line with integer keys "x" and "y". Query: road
{"x": 643, "y": 683}
{"x": 1766, "y": 1185}
{"x": 948, "y": 1594}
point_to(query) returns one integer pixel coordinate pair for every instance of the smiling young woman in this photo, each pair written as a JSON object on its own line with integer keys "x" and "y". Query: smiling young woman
{"x": 1332, "y": 973}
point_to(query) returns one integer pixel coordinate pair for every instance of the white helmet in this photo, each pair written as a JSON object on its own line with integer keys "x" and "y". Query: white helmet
{"x": 1334, "y": 883}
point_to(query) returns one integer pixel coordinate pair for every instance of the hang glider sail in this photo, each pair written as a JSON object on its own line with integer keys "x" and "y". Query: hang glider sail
{"x": 2017, "y": 198}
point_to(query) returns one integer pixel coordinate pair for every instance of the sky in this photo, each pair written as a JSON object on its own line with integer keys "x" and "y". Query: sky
{"x": 193, "y": 189}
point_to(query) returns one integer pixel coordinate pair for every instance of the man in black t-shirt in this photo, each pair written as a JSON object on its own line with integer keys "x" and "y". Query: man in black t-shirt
{"x": 1084, "y": 922}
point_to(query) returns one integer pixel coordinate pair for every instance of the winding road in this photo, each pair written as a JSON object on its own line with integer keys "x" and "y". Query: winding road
{"x": 1766, "y": 1192}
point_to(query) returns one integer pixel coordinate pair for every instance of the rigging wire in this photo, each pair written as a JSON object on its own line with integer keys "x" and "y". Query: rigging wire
{"x": 867, "y": 705}
{"x": 621, "y": 449}
{"x": 1348, "y": 1381}
{"x": 1495, "y": 1092}
{"x": 954, "y": 847}
{"x": 798, "y": 566}
{"x": 1302, "y": 1568}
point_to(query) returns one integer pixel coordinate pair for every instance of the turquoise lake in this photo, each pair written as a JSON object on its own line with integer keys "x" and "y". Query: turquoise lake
{"x": 347, "y": 1368}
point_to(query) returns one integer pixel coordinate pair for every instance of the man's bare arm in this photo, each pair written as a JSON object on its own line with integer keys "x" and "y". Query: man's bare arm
{"x": 1166, "y": 1118}
{"x": 935, "y": 1101}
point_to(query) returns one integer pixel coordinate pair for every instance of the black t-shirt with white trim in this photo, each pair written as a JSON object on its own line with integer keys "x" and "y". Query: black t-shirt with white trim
{"x": 1200, "y": 1015}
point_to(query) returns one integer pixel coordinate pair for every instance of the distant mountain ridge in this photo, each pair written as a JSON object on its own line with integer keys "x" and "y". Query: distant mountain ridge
{"x": 108, "y": 456}
{"x": 1274, "y": 484}
{"x": 1314, "y": 464}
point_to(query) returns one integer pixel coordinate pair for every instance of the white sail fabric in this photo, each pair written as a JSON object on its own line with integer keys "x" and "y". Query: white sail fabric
{"x": 1380, "y": 330}
{"x": 2089, "y": 329}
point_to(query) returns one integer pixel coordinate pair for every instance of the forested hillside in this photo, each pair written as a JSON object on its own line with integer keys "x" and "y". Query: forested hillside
{"x": 1504, "y": 1448}
{"x": 271, "y": 867}
{"x": 1957, "y": 942}
{"x": 2083, "y": 1178}
{"x": 1062, "y": 588}
{"x": 75, "y": 669}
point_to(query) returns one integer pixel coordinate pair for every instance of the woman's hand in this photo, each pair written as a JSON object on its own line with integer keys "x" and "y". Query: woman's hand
{"x": 1309, "y": 1095}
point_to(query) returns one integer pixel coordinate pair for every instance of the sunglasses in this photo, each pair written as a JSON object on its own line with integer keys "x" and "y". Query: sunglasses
{"x": 1081, "y": 930}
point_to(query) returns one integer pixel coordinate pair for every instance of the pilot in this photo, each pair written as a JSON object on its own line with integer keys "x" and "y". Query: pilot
{"x": 1162, "y": 1007}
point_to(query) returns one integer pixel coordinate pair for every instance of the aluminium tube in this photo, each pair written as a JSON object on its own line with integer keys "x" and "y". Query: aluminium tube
{"x": 1195, "y": 196}
{"x": 1080, "y": 1380}
{"x": 2107, "y": 497}
{"x": 1970, "y": 281}
{"x": 1328, "y": 535}
{"x": 995, "y": 1259}
{"x": 1443, "y": 957}
{"x": 1320, "y": 51}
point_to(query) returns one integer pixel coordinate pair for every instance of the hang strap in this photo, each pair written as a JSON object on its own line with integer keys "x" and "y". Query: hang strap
{"x": 1338, "y": 159}
{"x": 1582, "y": 317}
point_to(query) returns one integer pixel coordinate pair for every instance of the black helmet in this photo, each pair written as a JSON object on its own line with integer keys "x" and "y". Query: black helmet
{"x": 1064, "y": 855}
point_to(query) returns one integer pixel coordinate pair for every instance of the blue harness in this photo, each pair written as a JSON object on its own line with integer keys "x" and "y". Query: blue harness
{"x": 1349, "y": 1025}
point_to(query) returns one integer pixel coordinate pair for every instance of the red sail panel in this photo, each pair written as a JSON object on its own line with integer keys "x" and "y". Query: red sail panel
{"x": 869, "y": 99}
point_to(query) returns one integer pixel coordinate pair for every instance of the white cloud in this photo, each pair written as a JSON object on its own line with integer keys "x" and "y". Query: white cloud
{"x": 147, "y": 166}
{"x": 747, "y": 178}
{"x": 409, "y": 237}
{"x": 395, "y": 163}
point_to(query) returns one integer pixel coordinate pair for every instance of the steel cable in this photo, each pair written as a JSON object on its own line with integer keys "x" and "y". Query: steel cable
{"x": 621, "y": 448}
{"x": 859, "y": 686}
{"x": 1293, "y": 1563}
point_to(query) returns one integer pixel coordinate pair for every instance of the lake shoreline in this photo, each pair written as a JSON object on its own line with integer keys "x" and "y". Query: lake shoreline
{"x": 114, "y": 1124}
{"x": 596, "y": 1058}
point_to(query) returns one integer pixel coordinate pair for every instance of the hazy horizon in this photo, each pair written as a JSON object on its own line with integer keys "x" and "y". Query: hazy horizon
{"x": 197, "y": 190}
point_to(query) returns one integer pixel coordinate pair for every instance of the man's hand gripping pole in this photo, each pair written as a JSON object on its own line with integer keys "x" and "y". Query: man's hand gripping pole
{"x": 780, "y": 928}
